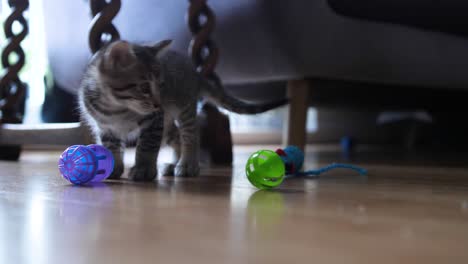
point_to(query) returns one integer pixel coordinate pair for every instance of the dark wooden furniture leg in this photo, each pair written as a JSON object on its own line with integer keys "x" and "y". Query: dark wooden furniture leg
{"x": 298, "y": 93}
{"x": 102, "y": 31}
{"x": 215, "y": 131}
{"x": 12, "y": 89}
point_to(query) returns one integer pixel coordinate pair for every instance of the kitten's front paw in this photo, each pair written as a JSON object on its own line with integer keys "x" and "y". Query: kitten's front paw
{"x": 143, "y": 172}
{"x": 168, "y": 169}
{"x": 186, "y": 170}
{"x": 117, "y": 172}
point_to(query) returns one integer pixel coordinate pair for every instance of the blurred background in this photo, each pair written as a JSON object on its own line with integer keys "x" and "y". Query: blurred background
{"x": 384, "y": 79}
{"x": 379, "y": 72}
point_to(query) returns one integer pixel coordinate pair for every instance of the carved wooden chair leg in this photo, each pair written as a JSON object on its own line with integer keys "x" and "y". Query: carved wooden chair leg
{"x": 215, "y": 135}
{"x": 12, "y": 89}
{"x": 204, "y": 53}
{"x": 102, "y": 29}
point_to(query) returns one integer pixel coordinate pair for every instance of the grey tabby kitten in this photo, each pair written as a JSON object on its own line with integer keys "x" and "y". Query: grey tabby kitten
{"x": 150, "y": 94}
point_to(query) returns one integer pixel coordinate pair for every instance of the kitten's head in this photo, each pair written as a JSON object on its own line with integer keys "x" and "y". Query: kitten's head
{"x": 130, "y": 73}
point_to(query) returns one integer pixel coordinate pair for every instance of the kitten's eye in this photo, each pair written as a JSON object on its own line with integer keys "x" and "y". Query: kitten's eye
{"x": 145, "y": 88}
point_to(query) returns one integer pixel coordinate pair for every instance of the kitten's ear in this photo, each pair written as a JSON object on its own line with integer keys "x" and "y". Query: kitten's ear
{"x": 160, "y": 47}
{"x": 120, "y": 55}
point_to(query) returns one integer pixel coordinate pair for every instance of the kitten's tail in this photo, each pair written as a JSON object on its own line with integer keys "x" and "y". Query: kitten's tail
{"x": 214, "y": 91}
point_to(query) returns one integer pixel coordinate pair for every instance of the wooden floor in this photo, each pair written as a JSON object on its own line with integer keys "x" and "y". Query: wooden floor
{"x": 408, "y": 210}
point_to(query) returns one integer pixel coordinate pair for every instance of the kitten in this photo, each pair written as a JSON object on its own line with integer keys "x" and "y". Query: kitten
{"x": 150, "y": 94}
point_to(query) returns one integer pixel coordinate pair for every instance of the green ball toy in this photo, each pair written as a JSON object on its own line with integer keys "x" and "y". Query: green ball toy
{"x": 265, "y": 169}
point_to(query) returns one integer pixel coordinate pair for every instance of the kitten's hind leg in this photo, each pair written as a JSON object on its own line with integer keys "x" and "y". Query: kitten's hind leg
{"x": 116, "y": 146}
{"x": 147, "y": 149}
{"x": 172, "y": 139}
{"x": 188, "y": 165}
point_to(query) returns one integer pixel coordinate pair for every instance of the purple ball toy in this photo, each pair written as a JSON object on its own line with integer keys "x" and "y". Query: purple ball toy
{"x": 80, "y": 164}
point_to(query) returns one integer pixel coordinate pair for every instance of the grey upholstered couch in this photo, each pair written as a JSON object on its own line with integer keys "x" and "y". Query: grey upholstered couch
{"x": 265, "y": 40}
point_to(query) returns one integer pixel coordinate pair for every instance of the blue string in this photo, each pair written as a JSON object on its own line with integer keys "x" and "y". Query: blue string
{"x": 332, "y": 166}
{"x": 293, "y": 159}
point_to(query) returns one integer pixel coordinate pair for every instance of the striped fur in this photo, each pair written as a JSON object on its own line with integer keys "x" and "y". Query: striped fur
{"x": 150, "y": 94}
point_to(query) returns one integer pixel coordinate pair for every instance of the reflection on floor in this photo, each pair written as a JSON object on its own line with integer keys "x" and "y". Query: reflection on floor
{"x": 409, "y": 209}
